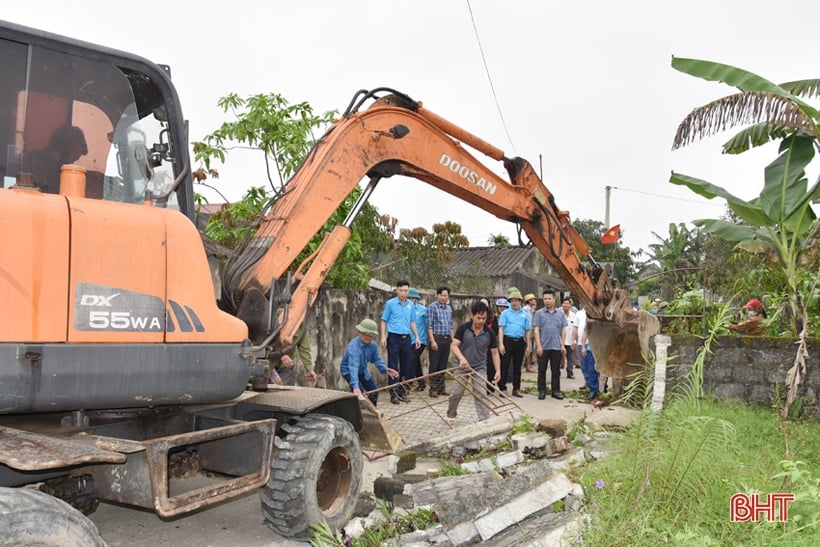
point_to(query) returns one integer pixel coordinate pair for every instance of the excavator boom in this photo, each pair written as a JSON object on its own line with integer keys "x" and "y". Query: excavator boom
{"x": 398, "y": 136}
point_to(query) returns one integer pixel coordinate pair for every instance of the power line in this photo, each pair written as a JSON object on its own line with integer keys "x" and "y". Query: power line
{"x": 699, "y": 202}
{"x": 487, "y": 70}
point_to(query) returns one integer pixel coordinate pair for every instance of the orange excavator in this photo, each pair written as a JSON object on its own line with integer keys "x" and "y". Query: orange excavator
{"x": 122, "y": 371}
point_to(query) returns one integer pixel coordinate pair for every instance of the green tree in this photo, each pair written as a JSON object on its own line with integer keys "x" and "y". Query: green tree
{"x": 268, "y": 123}
{"x": 681, "y": 255}
{"x": 282, "y": 133}
{"x": 626, "y": 262}
{"x": 780, "y": 223}
{"x": 498, "y": 240}
{"x": 424, "y": 257}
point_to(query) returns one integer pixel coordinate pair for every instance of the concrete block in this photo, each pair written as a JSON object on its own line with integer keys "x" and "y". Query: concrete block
{"x": 463, "y": 533}
{"x": 542, "y": 496}
{"x": 509, "y": 459}
{"x": 553, "y": 426}
{"x": 568, "y": 533}
{"x": 531, "y": 439}
{"x": 385, "y": 488}
{"x": 402, "y": 462}
{"x": 573, "y": 503}
{"x": 364, "y": 505}
{"x": 403, "y": 501}
{"x": 558, "y": 446}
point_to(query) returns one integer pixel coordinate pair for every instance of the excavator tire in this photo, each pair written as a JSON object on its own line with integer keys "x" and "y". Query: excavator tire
{"x": 31, "y": 517}
{"x": 316, "y": 476}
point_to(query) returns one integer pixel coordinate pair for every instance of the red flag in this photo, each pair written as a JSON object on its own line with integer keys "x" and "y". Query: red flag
{"x": 611, "y": 235}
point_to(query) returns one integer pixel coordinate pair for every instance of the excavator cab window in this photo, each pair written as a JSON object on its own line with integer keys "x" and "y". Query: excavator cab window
{"x": 57, "y": 108}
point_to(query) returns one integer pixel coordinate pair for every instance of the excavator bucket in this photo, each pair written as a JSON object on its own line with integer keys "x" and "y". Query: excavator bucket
{"x": 376, "y": 432}
{"x": 621, "y": 346}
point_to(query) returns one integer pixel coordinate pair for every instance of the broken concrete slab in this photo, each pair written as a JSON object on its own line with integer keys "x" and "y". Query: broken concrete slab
{"x": 460, "y": 436}
{"x": 401, "y": 462}
{"x": 500, "y": 461}
{"x": 545, "y": 494}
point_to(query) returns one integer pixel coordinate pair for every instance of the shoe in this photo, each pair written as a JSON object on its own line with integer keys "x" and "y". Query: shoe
{"x": 433, "y": 393}
{"x": 443, "y": 392}
{"x": 592, "y": 395}
{"x": 450, "y": 421}
{"x": 542, "y": 396}
{"x": 571, "y": 376}
{"x": 403, "y": 397}
{"x": 421, "y": 387}
{"x": 557, "y": 396}
{"x": 395, "y": 400}
{"x": 530, "y": 369}
{"x": 517, "y": 393}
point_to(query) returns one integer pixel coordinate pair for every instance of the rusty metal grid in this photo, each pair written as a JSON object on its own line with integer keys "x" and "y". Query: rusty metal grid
{"x": 422, "y": 417}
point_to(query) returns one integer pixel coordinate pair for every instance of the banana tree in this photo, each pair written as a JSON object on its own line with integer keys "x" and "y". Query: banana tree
{"x": 780, "y": 223}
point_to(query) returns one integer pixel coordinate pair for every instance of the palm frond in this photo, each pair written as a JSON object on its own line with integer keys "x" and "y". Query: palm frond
{"x": 803, "y": 88}
{"x": 756, "y": 135}
{"x": 741, "y": 109}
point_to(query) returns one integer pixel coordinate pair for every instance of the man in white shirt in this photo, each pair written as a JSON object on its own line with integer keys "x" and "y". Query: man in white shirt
{"x": 570, "y": 336}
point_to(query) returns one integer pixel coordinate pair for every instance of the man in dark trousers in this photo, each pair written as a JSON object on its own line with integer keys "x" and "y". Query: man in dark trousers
{"x": 472, "y": 343}
{"x": 550, "y": 325}
{"x": 439, "y": 336}
{"x": 398, "y": 330}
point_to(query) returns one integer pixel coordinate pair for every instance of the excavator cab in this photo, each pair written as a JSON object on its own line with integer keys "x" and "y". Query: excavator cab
{"x": 110, "y": 116}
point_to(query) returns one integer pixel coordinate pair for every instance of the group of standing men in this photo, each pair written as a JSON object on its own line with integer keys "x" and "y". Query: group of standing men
{"x": 557, "y": 336}
{"x": 407, "y": 328}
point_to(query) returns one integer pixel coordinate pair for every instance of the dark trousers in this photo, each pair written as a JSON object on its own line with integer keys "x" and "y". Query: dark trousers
{"x": 399, "y": 358}
{"x": 511, "y": 362}
{"x": 367, "y": 384}
{"x": 553, "y": 358}
{"x": 438, "y": 362}
{"x": 571, "y": 359}
{"x": 418, "y": 371}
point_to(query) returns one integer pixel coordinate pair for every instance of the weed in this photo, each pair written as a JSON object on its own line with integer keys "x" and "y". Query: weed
{"x": 447, "y": 469}
{"x": 391, "y": 525}
{"x": 523, "y": 424}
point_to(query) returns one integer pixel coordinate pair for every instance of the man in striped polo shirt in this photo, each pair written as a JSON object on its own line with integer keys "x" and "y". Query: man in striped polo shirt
{"x": 440, "y": 336}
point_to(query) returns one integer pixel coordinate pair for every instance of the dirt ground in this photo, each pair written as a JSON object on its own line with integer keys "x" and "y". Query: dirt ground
{"x": 240, "y": 522}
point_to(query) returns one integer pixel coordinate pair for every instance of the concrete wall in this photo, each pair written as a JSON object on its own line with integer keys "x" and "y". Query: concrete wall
{"x": 335, "y": 315}
{"x": 749, "y": 368}
{"x": 745, "y": 368}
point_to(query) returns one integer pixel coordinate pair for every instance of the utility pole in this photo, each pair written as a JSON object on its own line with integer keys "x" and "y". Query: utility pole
{"x": 606, "y": 212}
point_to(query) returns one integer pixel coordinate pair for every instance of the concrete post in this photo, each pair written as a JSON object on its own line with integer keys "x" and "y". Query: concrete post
{"x": 662, "y": 342}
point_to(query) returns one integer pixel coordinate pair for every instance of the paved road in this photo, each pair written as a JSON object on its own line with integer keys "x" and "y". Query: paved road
{"x": 240, "y": 522}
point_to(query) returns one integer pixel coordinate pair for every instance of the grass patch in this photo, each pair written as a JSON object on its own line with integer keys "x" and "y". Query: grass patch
{"x": 391, "y": 525}
{"x": 674, "y": 473}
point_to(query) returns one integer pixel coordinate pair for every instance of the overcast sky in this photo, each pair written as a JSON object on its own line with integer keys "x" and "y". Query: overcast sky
{"x": 585, "y": 88}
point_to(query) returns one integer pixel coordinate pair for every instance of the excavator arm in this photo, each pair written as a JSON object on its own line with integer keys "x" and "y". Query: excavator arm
{"x": 398, "y": 136}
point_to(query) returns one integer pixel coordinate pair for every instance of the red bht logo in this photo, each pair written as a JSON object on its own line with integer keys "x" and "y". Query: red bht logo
{"x": 748, "y": 507}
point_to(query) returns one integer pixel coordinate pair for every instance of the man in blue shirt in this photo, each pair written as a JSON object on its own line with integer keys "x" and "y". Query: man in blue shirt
{"x": 361, "y": 351}
{"x": 550, "y": 326}
{"x": 397, "y": 325}
{"x": 440, "y": 336}
{"x": 513, "y": 341}
{"x": 421, "y": 329}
